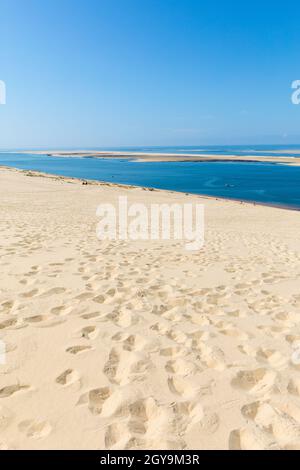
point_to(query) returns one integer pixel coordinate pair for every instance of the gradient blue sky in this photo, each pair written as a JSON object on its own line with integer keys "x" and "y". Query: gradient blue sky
{"x": 98, "y": 73}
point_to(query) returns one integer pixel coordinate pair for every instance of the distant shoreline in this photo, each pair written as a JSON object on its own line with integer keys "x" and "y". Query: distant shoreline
{"x": 170, "y": 157}
{"x": 100, "y": 183}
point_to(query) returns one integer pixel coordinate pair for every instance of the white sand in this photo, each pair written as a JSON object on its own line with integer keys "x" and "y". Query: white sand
{"x": 114, "y": 345}
{"x": 173, "y": 157}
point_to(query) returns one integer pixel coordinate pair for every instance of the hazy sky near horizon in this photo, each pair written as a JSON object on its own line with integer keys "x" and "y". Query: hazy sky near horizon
{"x": 93, "y": 73}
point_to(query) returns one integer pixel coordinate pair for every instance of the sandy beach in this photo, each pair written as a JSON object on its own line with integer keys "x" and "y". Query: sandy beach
{"x": 144, "y": 345}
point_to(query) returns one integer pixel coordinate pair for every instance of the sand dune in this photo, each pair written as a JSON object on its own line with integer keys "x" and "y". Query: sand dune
{"x": 144, "y": 345}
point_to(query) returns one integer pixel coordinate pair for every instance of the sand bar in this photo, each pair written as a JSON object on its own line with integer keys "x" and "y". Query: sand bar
{"x": 171, "y": 157}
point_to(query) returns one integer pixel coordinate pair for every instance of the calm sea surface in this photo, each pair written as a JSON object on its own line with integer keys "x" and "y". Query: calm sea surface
{"x": 260, "y": 182}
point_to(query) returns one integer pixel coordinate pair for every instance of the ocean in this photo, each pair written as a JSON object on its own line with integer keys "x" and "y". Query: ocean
{"x": 265, "y": 183}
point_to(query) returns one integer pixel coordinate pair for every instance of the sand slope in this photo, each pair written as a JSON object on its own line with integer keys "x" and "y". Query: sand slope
{"x": 114, "y": 345}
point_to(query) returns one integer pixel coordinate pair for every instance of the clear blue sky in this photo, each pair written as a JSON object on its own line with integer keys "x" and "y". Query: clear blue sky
{"x": 92, "y": 73}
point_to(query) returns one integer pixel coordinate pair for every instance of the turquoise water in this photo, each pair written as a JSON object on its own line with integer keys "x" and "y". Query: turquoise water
{"x": 259, "y": 182}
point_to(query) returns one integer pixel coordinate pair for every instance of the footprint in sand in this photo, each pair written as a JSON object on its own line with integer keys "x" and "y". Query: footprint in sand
{"x": 53, "y": 291}
{"x": 32, "y": 293}
{"x": 68, "y": 377}
{"x": 198, "y": 337}
{"x": 95, "y": 399}
{"x": 12, "y": 389}
{"x": 123, "y": 318}
{"x": 210, "y": 423}
{"x": 272, "y": 357}
{"x": 130, "y": 342}
{"x": 9, "y": 323}
{"x": 177, "y": 336}
{"x": 247, "y": 350}
{"x": 255, "y": 382}
{"x": 37, "y": 318}
{"x": 35, "y": 429}
{"x": 181, "y": 367}
{"x": 174, "y": 351}
{"x": 123, "y": 368}
{"x": 250, "y": 439}
{"x": 99, "y": 299}
{"x": 61, "y": 310}
{"x": 84, "y": 296}
{"x": 182, "y": 387}
{"x": 89, "y": 332}
{"x": 144, "y": 417}
{"x": 294, "y": 340}
{"x": 189, "y": 413}
{"x": 90, "y": 316}
{"x": 7, "y": 306}
{"x": 117, "y": 434}
{"x": 212, "y": 357}
{"x": 198, "y": 319}
{"x": 160, "y": 327}
{"x": 234, "y": 333}
{"x": 280, "y": 421}
{"x": 78, "y": 349}
{"x": 294, "y": 386}
{"x": 111, "y": 366}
